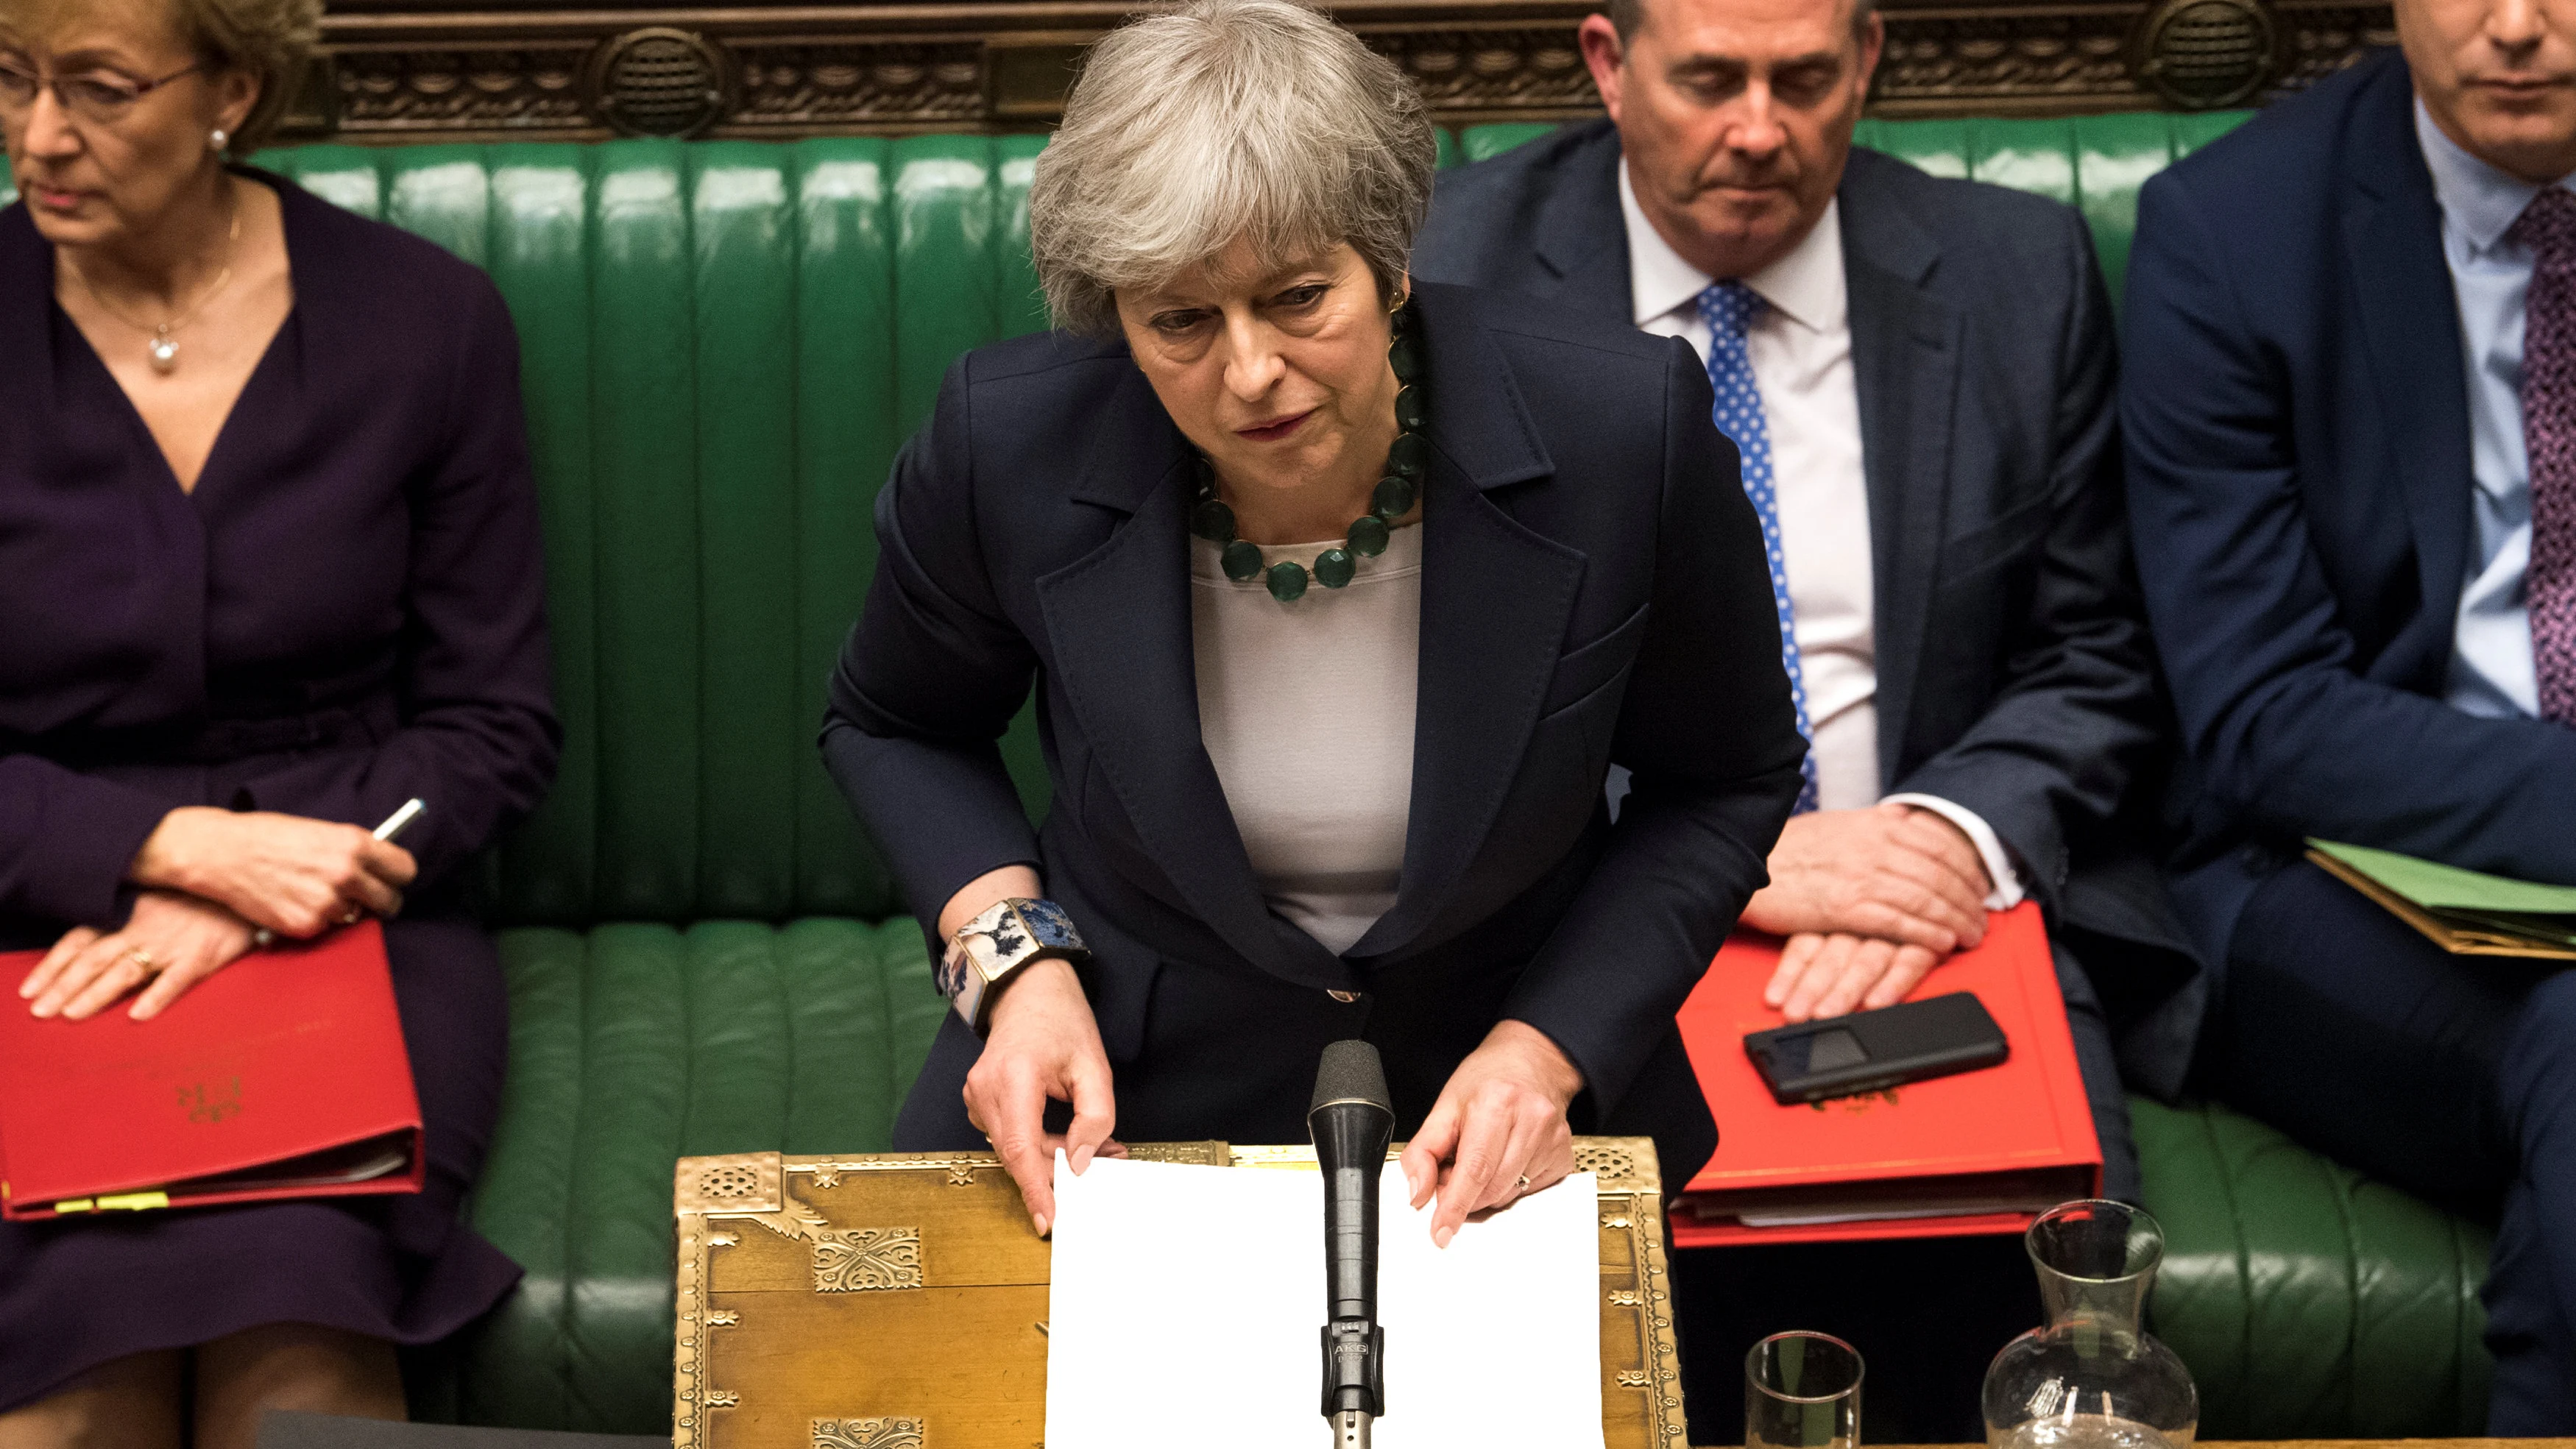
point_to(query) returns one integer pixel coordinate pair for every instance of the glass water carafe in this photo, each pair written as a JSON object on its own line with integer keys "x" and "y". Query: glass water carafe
{"x": 2093, "y": 1378}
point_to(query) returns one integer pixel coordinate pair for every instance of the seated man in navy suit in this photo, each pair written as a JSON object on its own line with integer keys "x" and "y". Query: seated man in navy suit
{"x": 1919, "y": 375}
{"x": 2350, "y": 407}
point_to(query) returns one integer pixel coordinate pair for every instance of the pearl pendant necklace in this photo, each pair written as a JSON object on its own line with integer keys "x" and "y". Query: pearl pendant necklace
{"x": 163, "y": 349}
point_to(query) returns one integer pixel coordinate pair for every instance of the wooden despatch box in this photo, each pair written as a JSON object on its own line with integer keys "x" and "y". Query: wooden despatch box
{"x": 895, "y": 1301}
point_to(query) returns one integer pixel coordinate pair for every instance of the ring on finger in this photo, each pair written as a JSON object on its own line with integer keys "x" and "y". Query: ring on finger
{"x": 353, "y": 915}
{"x": 1521, "y": 1189}
{"x": 143, "y": 960}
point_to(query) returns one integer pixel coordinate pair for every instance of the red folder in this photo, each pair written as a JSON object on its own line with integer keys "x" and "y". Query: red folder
{"x": 282, "y": 1075}
{"x": 1981, "y": 1152}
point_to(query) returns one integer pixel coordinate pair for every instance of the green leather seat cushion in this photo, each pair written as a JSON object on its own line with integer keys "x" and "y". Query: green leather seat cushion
{"x": 632, "y": 1046}
{"x": 2309, "y": 1301}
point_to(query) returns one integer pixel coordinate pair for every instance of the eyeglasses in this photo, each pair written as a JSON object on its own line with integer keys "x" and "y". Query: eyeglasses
{"x": 97, "y": 98}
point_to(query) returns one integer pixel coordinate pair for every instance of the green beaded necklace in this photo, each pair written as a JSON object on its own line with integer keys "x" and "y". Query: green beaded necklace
{"x": 1393, "y": 498}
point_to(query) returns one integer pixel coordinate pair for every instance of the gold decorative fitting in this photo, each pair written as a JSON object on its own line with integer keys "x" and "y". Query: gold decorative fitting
{"x": 1194, "y": 1154}
{"x": 719, "y": 1182}
{"x": 869, "y": 1434}
{"x": 721, "y": 1399}
{"x": 1614, "y": 1166}
{"x": 721, "y": 1318}
{"x": 961, "y": 1174}
{"x": 862, "y": 1260}
{"x": 1623, "y": 1298}
{"x": 1632, "y": 1378}
{"x": 745, "y": 1182}
{"x": 827, "y": 1177}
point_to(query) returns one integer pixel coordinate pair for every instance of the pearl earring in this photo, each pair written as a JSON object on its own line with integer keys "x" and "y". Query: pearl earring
{"x": 216, "y": 139}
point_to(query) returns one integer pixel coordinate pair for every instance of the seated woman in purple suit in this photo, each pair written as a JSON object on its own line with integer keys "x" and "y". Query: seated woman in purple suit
{"x": 269, "y": 567}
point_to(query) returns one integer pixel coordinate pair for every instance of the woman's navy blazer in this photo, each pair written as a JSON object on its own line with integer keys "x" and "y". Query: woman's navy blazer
{"x": 1593, "y": 591}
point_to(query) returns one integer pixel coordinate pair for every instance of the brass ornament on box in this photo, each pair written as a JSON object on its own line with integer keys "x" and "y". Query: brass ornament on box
{"x": 882, "y": 1433}
{"x": 805, "y": 1363}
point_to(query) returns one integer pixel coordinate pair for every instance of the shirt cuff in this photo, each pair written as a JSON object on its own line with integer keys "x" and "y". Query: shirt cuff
{"x": 1990, "y": 847}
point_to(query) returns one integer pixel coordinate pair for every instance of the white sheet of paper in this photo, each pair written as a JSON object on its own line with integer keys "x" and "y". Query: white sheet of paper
{"x": 1188, "y": 1302}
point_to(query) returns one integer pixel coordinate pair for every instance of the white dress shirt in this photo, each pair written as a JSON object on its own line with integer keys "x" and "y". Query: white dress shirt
{"x": 1801, "y": 349}
{"x": 2491, "y": 667}
{"x": 1307, "y": 711}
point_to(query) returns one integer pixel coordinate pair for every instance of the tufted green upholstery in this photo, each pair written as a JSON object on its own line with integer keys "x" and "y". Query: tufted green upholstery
{"x": 2309, "y": 1301}
{"x": 725, "y": 343}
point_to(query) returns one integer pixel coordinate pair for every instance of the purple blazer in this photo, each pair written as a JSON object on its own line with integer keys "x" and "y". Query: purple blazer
{"x": 347, "y": 612}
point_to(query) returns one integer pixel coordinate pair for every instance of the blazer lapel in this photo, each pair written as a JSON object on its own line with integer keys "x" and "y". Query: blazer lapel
{"x": 2410, "y": 325}
{"x": 1905, "y": 363}
{"x": 1582, "y": 241}
{"x": 1118, "y": 621}
{"x": 1496, "y": 598}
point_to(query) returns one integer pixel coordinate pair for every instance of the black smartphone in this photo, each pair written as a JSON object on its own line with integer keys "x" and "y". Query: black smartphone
{"x": 1870, "y": 1051}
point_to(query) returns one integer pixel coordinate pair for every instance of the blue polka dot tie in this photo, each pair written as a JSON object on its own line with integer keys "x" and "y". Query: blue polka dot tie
{"x": 1729, "y": 309}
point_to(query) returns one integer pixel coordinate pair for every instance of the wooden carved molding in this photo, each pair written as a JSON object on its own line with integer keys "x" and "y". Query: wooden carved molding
{"x": 397, "y": 70}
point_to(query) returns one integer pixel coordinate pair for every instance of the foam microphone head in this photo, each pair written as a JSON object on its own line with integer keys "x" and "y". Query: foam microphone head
{"x": 1352, "y": 1119}
{"x": 1351, "y": 1072}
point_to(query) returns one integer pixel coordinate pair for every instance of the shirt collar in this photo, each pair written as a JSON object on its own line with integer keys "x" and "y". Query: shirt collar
{"x": 2479, "y": 200}
{"x": 1806, "y": 285}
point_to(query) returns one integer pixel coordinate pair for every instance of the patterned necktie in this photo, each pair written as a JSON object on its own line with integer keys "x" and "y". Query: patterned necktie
{"x": 1729, "y": 309}
{"x": 2548, "y": 228}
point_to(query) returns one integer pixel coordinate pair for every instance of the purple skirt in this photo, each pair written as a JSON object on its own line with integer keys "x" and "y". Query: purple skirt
{"x": 405, "y": 1267}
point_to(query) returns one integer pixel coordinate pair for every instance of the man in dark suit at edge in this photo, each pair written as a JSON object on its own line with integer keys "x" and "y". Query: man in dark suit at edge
{"x": 1919, "y": 373}
{"x": 2350, "y": 407}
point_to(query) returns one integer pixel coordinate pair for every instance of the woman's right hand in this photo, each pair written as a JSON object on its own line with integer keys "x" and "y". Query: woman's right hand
{"x": 294, "y": 876}
{"x": 1044, "y": 1045}
{"x": 171, "y": 941}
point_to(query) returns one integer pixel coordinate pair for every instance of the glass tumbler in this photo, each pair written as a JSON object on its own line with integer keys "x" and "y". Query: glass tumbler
{"x": 1802, "y": 1391}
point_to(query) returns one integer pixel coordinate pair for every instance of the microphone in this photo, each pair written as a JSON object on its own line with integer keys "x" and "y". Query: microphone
{"x": 1351, "y": 1119}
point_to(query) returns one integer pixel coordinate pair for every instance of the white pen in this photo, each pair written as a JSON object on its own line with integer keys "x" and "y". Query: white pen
{"x": 400, "y": 821}
{"x": 395, "y": 824}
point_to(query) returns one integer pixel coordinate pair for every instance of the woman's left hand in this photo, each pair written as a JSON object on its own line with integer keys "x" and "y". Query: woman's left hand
{"x": 171, "y": 940}
{"x": 1498, "y": 1131}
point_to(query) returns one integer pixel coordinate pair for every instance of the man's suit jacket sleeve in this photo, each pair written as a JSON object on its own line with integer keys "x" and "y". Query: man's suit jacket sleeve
{"x": 2291, "y": 736}
{"x": 930, "y": 678}
{"x": 1707, "y": 730}
{"x": 2063, "y": 739}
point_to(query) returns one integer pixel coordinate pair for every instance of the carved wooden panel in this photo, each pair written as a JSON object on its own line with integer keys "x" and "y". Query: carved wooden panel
{"x": 407, "y": 69}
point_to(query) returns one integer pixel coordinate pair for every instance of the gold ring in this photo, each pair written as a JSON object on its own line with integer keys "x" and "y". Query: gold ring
{"x": 143, "y": 958}
{"x": 1524, "y": 1191}
{"x": 355, "y": 915}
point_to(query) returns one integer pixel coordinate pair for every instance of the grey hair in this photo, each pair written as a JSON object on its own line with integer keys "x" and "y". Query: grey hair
{"x": 1225, "y": 122}
{"x": 1627, "y": 15}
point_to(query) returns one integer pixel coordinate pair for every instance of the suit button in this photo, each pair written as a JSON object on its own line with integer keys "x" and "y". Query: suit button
{"x": 1344, "y": 997}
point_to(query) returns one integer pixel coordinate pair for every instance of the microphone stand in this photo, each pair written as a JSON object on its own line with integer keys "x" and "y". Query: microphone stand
{"x": 1351, "y": 1120}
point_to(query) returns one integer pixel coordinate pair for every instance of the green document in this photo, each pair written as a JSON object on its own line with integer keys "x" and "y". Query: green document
{"x": 2448, "y": 888}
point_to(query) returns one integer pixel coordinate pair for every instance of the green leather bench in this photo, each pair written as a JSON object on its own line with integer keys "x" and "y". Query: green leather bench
{"x": 725, "y": 343}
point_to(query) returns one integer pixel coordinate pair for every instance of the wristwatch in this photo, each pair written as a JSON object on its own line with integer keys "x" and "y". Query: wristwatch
{"x": 1006, "y": 937}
